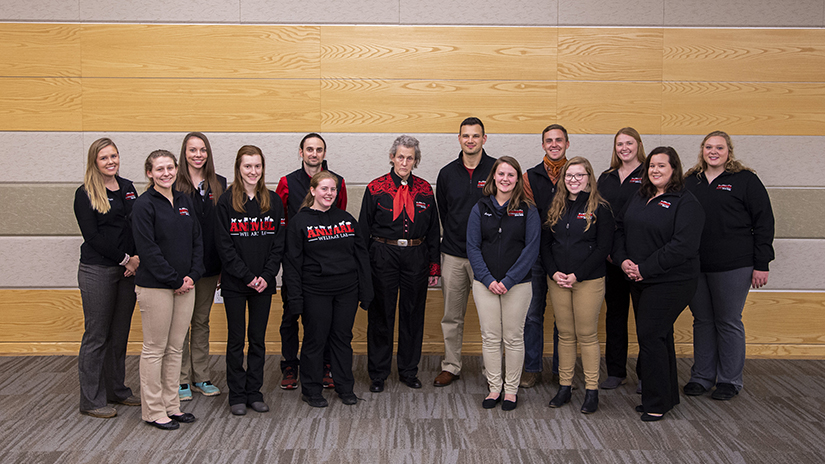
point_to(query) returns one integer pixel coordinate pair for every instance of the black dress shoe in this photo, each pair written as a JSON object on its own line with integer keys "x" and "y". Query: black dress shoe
{"x": 507, "y": 405}
{"x": 562, "y": 397}
{"x": 185, "y": 417}
{"x": 411, "y": 382}
{"x": 237, "y": 409}
{"x": 651, "y": 418}
{"x": 171, "y": 425}
{"x": 377, "y": 386}
{"x": 259, "y": 406}
{"x": 490, "y": 403}
{"x": 694, "y": 389}
{"x": 639, "y": 408}
{"x": 591, "y": 401}
{"x": 724, "y": 391}
{"x": 348, "y": 398}
{"x": 315, "y": 401}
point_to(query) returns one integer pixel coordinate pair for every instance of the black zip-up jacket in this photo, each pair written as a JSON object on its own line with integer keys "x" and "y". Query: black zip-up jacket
{"x": 205, "y": 212}
{"x": 739, "y": 227}
{"x": 661, "y": 236}
{"x": 456, "y": 193}
{"x": 543, "y": 189}
{"x": 377, "y": 210}
{"x": 107, "y": 238}
{"x": 326, "y": 255}
{"x": 616, "y": 192}
{"x": 167, "y": 239}
{"x": 250, "y": 244}
{"x": 569, "y": 249}
{"x": 293, "y": 188}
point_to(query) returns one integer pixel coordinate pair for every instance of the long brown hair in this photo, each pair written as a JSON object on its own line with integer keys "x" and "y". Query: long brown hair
{"x": 309, "y": 200}
{"x": 93, "y": 180}
{"x": 731, "y": 165}
{"x": 615, "y": 161}
{"x": 559, "y": 205}
{"x": 519, "y": 198}
{"x": 184, "y": 181}
{"x": 676, "y": 182}
{"x": 239, "y": 197}
{"x": 150, "y": 160}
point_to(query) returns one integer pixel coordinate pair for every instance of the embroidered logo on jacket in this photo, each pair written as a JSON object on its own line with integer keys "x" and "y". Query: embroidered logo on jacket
{"x": 727, "y": 187}
{"x": 664, "y": 204}
{"x": 482, "y": 183}
{"x": 584, "y": 215}
{"x": 130, "y": 195}
{"x": 211, "y": 197}
{"x": 635, "y": 180}
{"x": 343, "y": 229}
{"x": 252, "y": 227}
{"x": 183, "y": 211}
{"x": 516, "y": 213}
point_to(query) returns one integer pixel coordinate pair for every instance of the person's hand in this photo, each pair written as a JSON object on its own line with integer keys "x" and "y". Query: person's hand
{"x": 497, "y": 287}
{"x": 609, "y": 259}
{"x": 567, "y": 280}
{"x": 131, "y": 266}
{"x": 218, "y": 287}
{"x": 631, "y": 269}
{"x": 258, "y": 284}
{"x": 433, "y": 281}
{"x": 759, "y": 278}
{"x": 188, "y": 284}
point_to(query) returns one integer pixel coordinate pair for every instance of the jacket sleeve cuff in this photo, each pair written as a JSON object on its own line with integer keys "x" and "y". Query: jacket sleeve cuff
{"x": 508, "y": 282}
{"x": 435, "y": 269}
{"x": 487, "y": 281}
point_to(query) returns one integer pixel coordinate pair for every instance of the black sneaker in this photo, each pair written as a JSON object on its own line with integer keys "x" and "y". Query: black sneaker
{"x": 290, "y": 380}
{"x": 315, "y": 401}
{"x": 694, "y": 389}
{"x": 724, "y": 391}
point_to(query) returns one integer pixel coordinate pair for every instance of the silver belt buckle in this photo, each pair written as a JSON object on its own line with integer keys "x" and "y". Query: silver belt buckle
{"x": 403, "y": 242}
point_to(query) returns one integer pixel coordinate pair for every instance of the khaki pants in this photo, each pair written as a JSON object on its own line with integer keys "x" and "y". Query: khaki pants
{"x": 456, "y": 282}
{"x": 194, "y": 366}
{"x": 502, "y": 326}
{"x": 577, "y": 318}
{"x": 165, "y": 318}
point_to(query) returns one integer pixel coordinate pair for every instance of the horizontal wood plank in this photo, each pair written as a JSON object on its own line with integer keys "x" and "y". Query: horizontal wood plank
{"x": 52, "y": 104}
{"x": 410, "y": 52}
{"x": 39, "y": 50}
{"x": 753, "y": 55}
{"x": 605, "y": 107}
{"x": 777, "y": 324}
{"x": 200, "y": 51}
{"x": 610, "y": 54}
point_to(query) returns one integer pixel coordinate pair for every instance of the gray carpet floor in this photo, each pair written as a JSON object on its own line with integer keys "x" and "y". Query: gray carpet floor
{"x": 778, "y": 418}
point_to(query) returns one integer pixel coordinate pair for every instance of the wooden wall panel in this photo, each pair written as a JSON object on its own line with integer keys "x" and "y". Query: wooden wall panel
{"x": 200, "y": 51}
{"x": 605, "y": 107}
{"x": 490, "y": 53}
{"x": 212, "y": 105}
{"x": 435, "y": 106}
{"x": 743, "y": 108}
{"x": 40, "y": 104}
{"x": 777, "y": 324}
{"x": 754, "y": 55}
{"x": 39, "y": 50}
{"x": 600, "y": 54}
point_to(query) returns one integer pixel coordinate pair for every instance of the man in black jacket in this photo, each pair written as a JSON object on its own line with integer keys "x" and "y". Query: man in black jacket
{"x": 458, "y": 189}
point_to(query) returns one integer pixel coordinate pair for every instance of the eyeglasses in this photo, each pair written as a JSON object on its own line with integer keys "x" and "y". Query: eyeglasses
{"x": 574, "y": 176}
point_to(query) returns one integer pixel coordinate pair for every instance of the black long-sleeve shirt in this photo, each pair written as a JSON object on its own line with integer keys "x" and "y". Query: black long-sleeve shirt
{"x": 107, "y": 238}
{"x": 168, "y": 240}
{"x": 661, "y": 236}
{"x": 739, "y": 227}
{"x": 205, "y": 212}
{"x": 250, "y": 243}
{"x": 616, "y": 192}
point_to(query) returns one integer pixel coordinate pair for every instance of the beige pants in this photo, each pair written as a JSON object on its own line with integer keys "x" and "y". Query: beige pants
{"x": 194, "y": 365}
{"x": 456, "y": 282}
{"x": 165, "y": 318}
{"x": 577, "y": 318}
{"x": 502, "y": 326}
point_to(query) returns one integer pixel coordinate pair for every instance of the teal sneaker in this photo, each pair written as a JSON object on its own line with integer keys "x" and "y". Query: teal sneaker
{"x": 184, "y": 392}
{"x": 206, "y": 388}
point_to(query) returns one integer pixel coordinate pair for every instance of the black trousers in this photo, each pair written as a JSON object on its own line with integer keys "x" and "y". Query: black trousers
{"x": 328, "y": 321}
{"x": 657, "y": 307}
{"x": 617, "y": 299}
{"x": 245, "y": 385}
{"x": 289, "y": 336}
{"x": 399, "y": 275}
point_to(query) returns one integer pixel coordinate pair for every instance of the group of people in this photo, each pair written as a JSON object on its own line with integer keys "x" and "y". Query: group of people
{"x": 643, "y": 232}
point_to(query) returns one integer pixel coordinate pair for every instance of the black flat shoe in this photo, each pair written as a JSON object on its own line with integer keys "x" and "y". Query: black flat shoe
{"x": 315, "y": 401}
{"x": 639, "y": 408}
{"x": 562, "y": 397}
{"x": 171, "y": 425}
{"x": 184, "y": 417}
{"x": 694, "y": 389}
{"x": 490, "y": 403}
{"x": 377, "y": 386}
{"x": 591, "y": 401}
{"x": 259, "y": 406}
{"x": 411, "y": 382}
{"x": 348, "y": 398}
{"x": 507, "y": 405}
{"x": 651, "y": 418}
{"x": 237, "y": 409}
{"x": 724, "y": 391}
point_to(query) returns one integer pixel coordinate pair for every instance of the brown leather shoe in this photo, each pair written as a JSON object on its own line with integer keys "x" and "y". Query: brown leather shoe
{"x": 529, "y": 379}
{"x": 445, "y": 378}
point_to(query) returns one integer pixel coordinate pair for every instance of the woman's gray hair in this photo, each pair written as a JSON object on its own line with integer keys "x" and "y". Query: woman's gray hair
{"x": 408, "y": 142}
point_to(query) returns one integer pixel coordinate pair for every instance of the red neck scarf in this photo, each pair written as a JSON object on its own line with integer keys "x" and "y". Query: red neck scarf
{"x": 402, "y": 200}
{"x": 553, "y": 167}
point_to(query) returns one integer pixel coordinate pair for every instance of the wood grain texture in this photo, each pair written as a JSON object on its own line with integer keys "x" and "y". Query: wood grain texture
{"x": 777, "y": 324}
{"x": 754, "y": 55}
{"x": 743, "y": 108}
{"x": 605, "y": 107}
{"x": 39, "y": 50}
{"x": 601, "y": 54}
{"x": 200, "y": 51}
{"x": 40, "y": 104}
{"x": 350, "y": 105}
{"x": 405, "y": 52}
{"x": 212, "y": 105}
